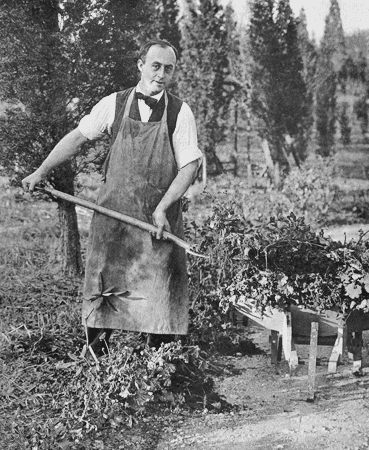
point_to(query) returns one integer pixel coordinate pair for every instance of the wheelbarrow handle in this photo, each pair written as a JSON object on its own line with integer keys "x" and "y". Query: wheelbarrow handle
{"x": 121, "y": 217}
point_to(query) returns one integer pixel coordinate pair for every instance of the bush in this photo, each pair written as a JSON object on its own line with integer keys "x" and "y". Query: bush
{"x": 311, "y": 190}
{"x": 209, "y": 324}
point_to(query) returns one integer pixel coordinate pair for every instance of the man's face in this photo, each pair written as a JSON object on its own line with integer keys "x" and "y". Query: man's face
{"x": 157, "y": 70}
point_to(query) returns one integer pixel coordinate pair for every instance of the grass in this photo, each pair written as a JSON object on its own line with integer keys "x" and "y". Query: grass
{"x": 39, "y": 319}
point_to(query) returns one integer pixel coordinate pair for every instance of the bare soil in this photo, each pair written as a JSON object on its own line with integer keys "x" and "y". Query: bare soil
{"x": 273, "y": 411}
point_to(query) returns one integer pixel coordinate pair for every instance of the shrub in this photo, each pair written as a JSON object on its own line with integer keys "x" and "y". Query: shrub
{"x": 311, "y": 190}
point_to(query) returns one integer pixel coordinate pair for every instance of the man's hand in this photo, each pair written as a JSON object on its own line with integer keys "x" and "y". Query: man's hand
{"x": 178, "y": 187}
{"x": 160, "y": 220}
{"x": 67, "y": 147}
{"x": 30, "y": 182}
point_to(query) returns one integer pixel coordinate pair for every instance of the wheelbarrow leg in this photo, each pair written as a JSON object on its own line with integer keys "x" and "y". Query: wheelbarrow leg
{"x": 287, "y": 341}
{"x": 338, "y": 349}
{"x": 355, "y": 346}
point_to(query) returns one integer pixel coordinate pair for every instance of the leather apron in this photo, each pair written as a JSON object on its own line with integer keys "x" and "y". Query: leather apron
{"x": 134, "y": 281}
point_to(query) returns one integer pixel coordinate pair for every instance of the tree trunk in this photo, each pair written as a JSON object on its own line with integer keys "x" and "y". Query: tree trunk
{"x": 268, "y": 159}
{"x": 70, "y": 238}
{"x": 215, "y": 166}
{"x": 235, "y": 146}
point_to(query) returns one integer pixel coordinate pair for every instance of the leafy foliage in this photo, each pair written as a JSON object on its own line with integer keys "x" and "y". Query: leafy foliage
{"x": 282, "y": 262}
{"x": 123, "y": 383}
{"x": 209, "y": 325}
{"x": 311, "y": 189}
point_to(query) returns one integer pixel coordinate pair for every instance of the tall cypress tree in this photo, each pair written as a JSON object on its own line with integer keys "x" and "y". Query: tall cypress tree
{"x": 238, "y": 81}
{"x": 203, "y": 73}
{"x": 309, "y": 56}
{"x": 331, "y": 57}
{"x": 279, "y": 93}
{"x": 326, "y": 106}
{"x": 334, "y": 37}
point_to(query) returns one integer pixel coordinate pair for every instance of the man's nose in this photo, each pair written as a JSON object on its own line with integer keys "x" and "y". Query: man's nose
{"x": 161, "y": 72}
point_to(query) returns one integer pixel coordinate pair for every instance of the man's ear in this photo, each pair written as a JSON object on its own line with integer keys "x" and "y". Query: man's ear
{"x": 140, "y": 64}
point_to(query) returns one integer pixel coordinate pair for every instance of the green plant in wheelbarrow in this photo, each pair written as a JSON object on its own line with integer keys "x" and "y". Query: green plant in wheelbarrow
{"x": 286, "y": 263}
{"x": 283, "y": 265}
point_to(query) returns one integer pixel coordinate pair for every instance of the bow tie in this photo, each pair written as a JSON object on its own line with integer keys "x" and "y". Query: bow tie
{"x": 151, "y": 102}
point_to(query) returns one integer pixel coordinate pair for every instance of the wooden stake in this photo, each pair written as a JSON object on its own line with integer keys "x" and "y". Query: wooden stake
{"x": 312, "y": 359}
{"x": 275, "y": 346}
{"x": 355, "y": 346}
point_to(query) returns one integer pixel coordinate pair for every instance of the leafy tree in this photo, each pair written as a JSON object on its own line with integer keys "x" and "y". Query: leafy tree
{"x": 203, "y": 74}
{"x": 56, "y": 54}
{"x": 279, "y": 93}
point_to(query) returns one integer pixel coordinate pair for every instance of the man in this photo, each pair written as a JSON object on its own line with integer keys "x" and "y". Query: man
{"x": 135, "y": 281}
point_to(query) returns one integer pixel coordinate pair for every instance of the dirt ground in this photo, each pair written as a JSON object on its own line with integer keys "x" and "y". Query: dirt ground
{"x": 274, "y": 413}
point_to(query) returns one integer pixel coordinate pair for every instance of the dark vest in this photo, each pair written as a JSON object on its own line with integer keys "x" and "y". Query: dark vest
{"x": 174, "y": 106}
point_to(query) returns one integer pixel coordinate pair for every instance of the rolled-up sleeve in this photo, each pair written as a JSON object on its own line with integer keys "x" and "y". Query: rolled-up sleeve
{"x": 100, "y": 119}
{"x": 185, "y": 138}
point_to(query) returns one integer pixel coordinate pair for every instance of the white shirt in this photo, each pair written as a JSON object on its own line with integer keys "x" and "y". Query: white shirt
{"x": 102, "y": 115}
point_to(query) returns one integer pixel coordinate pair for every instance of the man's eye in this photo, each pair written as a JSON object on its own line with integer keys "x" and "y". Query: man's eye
{"x": 156, "y": 66}
{"x": 169, "y": 70}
